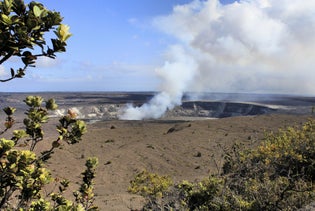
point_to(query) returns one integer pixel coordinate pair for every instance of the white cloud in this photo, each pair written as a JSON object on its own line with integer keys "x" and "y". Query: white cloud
{"x": 3, "y": 72}
{"x": 249, "y": 45}
{"x": 118, "y": 75}
{"x": 44, "y": 62}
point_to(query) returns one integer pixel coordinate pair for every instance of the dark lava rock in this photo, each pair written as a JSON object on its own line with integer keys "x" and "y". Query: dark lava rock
{"x": 223, "y": 109}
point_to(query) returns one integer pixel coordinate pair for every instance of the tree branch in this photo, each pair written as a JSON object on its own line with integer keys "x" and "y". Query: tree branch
{"x": 6, "y": 197}
{"x": 6, "y": 57}
{"x": 15, "y": 75}
{"x": 6, "y": 80}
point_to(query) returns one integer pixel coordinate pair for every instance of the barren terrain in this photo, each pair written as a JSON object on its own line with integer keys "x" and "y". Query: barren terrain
{"x": 189, "y": 147}
{"x": 182, "y": 149}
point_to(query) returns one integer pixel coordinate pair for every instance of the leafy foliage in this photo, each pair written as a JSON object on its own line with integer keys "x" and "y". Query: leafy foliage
{"x": 151, "y": 186}
{"x": 85, "y": 195}
{"x": 23, "y": 174}
{"x": 22, "y": 34}
{"x": 277, "y": 175}
{"x": 204, "y": 195}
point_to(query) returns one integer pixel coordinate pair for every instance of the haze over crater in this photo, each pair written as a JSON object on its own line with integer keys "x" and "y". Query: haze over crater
{"x": 257, "y": 46}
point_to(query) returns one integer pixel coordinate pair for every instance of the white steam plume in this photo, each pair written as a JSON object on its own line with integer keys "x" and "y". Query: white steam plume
{"x": 176, "y": 75}
{"x": 262, "y": 46}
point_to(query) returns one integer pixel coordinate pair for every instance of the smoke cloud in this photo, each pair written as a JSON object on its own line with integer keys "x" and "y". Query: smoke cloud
{"x": 176, "y": 75}
{"x": 258, "y": 46}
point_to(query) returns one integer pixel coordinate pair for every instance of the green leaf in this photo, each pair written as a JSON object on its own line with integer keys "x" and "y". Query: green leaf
{"x": 19, "y": 134}
{"x": 91, "y": 162}
{"x": 7, "y": 6}
{"x": 6, "y": 19}
{"x": 51, "y": 104}
{"x": 19, "y": 7}
{"x": 15, "y": 48}
{"x": 63, "y": 32}
{"x": 6, "y": 145}
{"x": 37, "y": 11}
{"x": 9, "y": 110}
{"x": 29, "y": 100}
{"x": 36, "y": 27}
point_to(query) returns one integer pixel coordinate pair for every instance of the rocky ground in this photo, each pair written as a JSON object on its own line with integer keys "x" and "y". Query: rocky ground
{"x": 186, "y": 146}
{"x": 188, "y": 150}
{"x": 100, "y": 106}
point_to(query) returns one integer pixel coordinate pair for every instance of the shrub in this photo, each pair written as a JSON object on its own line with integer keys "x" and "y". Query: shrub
{"x": 277, "y": 175}
{"x": 152, "y": 187}
{"x": 23, "y": 174}
{"x": 203, "y": 195}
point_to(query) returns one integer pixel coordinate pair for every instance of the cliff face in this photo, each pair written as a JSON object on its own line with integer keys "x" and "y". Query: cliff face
{"x": 218, "y": 109}
{"x": 107, "y": 106}
{"x": 197, "y": 109}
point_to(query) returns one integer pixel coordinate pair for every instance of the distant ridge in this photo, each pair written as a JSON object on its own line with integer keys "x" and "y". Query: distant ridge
{"x": 107, "y": 105}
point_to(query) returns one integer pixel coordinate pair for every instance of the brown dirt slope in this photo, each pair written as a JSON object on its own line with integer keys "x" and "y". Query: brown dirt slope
{"x": 182, "y": 149}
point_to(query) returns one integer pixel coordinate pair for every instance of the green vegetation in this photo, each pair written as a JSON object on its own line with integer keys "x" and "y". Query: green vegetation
{"x": 277, "y": 175}
{"x": 151, "y": 186}
{"x": 23, "y": 174}
{"x": 22, "y": 34}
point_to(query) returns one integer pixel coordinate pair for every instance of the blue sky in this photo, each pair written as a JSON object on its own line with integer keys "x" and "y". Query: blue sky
{"x": 260, "y": 46}
{"x": 114, "y": 47}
